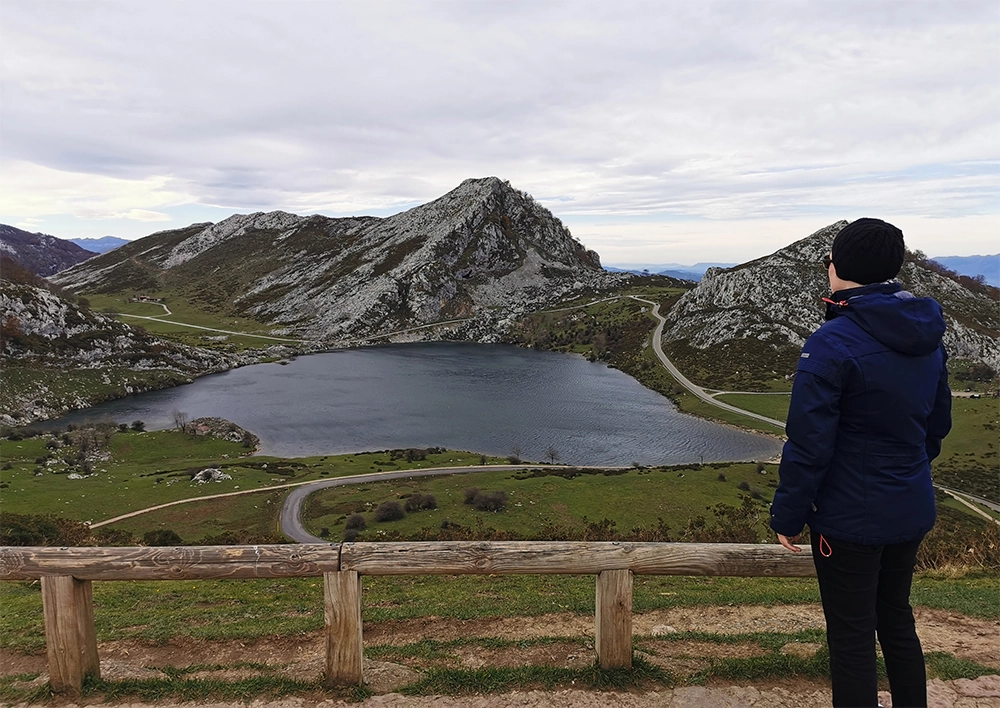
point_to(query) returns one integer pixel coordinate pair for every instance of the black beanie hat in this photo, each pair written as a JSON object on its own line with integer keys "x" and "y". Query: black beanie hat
{"x": 868, "y": 251}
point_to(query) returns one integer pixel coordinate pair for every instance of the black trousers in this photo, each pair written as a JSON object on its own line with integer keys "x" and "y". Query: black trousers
{"x": 866, "y": 592}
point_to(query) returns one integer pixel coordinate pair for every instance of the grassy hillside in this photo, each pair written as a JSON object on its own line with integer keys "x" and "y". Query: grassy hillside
{"x": 185, "y": 321}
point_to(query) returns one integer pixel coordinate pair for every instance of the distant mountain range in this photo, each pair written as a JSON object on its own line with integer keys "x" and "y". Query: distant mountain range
{"x": 99, "y": 245}
{"x": 986, "y": 266}
{"x": 467, "y": 266}
{"x": 672, "y": 270}
{"x": 40, "y": 253}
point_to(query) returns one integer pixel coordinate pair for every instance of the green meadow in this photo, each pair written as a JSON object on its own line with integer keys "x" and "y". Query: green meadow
{"x": 546, "y": 496}
{"x": 183, "y": 315}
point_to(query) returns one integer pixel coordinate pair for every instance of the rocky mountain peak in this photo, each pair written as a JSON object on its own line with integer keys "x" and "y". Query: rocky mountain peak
{"x": 482, "y": 249}
{"x": 762, "y": 311}
{"x": 40, "y": 253}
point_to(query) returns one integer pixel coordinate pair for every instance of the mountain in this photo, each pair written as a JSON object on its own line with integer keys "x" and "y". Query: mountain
{"x": 986, "y": 266}
{"x": 671, "y": 270}
{"x": 742, "y": 326}
{"x": 484, "y": 251}
{"x": 57, "y": 354}
{"x": 99, "y": 245}
{"x": 40, "y": 253}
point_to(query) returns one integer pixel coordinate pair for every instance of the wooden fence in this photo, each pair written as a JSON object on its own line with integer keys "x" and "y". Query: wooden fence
{"x": 66, "y": 576}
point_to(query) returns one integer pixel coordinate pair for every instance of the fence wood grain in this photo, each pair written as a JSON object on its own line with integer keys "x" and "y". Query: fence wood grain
{"x": 70, "y": 638}
{"x": 342, "y": 614}
{"x": 167, "y": 563}
{"x": 613, "y": 630}
{"x": 573, "y": 557}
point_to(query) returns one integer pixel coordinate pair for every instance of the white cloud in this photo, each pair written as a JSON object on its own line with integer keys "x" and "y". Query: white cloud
{"x": 34, "y": 191}
{"x": 727, "y": 111}
{"x": 141, "y": 215}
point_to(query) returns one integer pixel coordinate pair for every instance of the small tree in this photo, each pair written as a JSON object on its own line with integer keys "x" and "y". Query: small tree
{"x": 514, "y": 457}
{"x": 180, "y": 419}
{"x": 552, "y": 455}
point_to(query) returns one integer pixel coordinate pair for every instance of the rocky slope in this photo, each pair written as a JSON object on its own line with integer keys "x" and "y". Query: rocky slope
{"x": 745, "y": 324}
{"x": 485, "y": 251}
{"x": 57, "y": 355}
{"x": 40, "y": 253}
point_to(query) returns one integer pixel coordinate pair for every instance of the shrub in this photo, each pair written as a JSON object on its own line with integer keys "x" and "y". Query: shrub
{"x": 744, "y": 486}
{"x": 40, "y": 460}
{"x": 138, "y": 426}
{"x": 722, "y": 477}
{"x": 7, "y": 466}
{"x": 491, "y": 501}
{"x": 389, "y": 511}
{"x": 471, "y": 494}
{"x": 41, "y": 530}
{"x": 122, "y": 427}
{"x": 161, "y": 537}
{"x": 356, "y": 522}
{"x": 350, "y": 535}
{"x": 419, "y": 502}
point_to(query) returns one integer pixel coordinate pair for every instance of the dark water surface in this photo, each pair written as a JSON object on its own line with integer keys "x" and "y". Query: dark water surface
{"x": 484, "y": 398}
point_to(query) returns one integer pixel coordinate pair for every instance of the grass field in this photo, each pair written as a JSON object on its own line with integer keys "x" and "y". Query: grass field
{"x": 635, "y": 498}
{"x": 249, "y": 609}
{"x": 144, "y": 469}
{"x": 182, "y": 314}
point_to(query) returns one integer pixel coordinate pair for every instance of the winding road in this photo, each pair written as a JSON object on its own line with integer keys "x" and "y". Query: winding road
{"x": 684, "y": 381}
{"x": 290, "y": 520}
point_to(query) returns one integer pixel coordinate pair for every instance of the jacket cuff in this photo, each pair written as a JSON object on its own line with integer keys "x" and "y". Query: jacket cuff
{"x": 786, "y": 528}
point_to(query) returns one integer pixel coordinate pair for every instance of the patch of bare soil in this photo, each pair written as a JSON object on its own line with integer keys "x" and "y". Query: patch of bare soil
{"x": 301, "y": 657}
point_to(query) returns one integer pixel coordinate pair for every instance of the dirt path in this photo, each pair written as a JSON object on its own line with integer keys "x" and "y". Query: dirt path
{"x": 964, "y": 637}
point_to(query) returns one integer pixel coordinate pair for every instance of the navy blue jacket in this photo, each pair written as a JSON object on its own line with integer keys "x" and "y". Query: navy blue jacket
{"x": 870, "y": 406}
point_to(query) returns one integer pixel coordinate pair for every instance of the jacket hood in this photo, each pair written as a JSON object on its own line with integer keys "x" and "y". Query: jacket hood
{"x": 904, "y": 323}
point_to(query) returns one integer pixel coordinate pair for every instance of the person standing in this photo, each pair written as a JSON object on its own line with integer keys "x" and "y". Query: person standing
{"x": 870, "y": 406}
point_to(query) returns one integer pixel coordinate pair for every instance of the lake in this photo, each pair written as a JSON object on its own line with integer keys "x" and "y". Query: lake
{"x": 483, "y": 398}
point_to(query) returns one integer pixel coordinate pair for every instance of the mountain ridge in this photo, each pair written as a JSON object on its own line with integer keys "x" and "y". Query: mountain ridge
{"x": 483, "y": 250}
{"x": 765, "y": 309}
{"x": 40, "y": 253}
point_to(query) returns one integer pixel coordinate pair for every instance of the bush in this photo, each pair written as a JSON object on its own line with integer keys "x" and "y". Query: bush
{"x": 41, "y": 530}
{"x": 122, "y": 427}
{"x": 744, "y": 486}
{"x": 419, "y": 502}
{"x": 161, "y": 537}
{"x": 355, "y": 522}
{"x": 138, "y": 426}
{"x": 722, "y": 477}
{"x": 389, "y": 511}
{"x": 350, "y": 535}
{"x": 491, "y": 501}
{"x": 471, "y": 494}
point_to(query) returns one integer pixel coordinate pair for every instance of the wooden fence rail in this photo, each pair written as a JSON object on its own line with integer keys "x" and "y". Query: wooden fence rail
{"x": 66, "y": 575}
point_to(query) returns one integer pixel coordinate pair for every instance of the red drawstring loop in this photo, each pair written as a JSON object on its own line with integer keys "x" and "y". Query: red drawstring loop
{"x": 841, "y": 303}
{"x": 825, "y": 552}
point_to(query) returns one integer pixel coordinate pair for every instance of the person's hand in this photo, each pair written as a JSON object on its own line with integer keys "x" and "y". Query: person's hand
{"x": 789, "y": 543}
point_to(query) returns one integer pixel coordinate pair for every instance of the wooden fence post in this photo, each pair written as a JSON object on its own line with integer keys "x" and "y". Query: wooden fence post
{"x": 70, "y": 637}
{"x": 342, "y": 612}
{"x": 613, "y": 634}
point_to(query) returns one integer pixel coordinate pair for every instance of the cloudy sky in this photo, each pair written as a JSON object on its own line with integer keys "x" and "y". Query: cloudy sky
{"x": 667, "y": 131}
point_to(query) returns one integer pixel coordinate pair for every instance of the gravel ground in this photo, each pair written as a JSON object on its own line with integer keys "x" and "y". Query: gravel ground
{"x": 983, "y": 692}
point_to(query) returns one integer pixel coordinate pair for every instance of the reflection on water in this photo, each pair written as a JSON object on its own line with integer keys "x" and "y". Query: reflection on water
{"x": 485, "y": 398}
